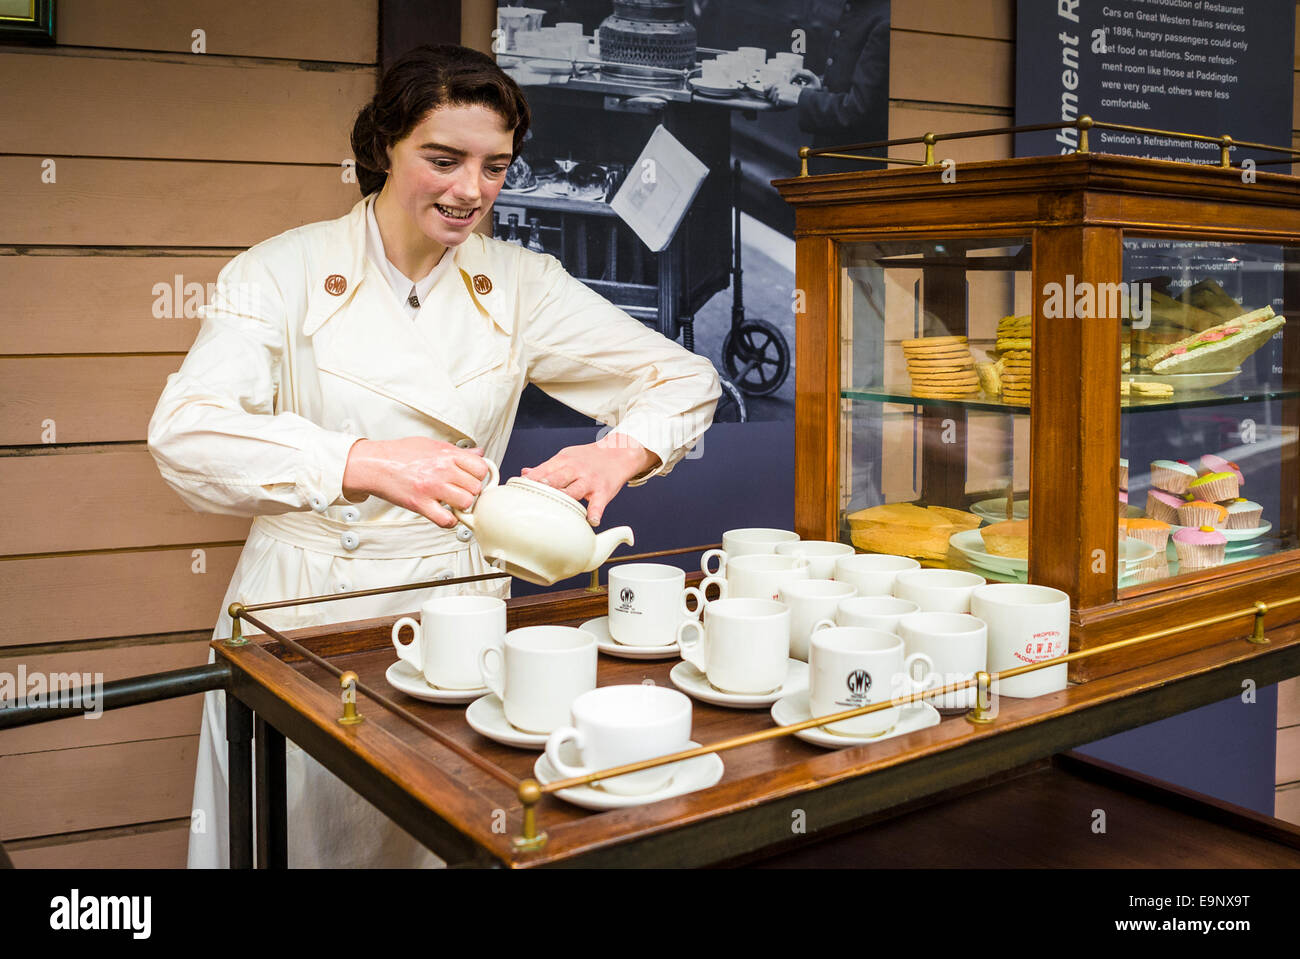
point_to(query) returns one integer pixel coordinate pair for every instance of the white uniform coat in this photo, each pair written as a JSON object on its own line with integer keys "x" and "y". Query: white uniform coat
{"x": 306, "y": 349}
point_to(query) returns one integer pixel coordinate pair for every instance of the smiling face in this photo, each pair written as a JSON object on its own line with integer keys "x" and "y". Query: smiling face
{"x": 442, "y": 179}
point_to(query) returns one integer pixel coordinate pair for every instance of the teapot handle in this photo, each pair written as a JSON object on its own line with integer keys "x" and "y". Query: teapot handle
{"x": 494, "y": 477}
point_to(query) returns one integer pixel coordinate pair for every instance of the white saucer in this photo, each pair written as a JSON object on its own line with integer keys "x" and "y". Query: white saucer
{"x": 692, "y": 682}
{"x": 606, "y": 643}
{"x": 401, "y": 675}
{"x": 698, "y": 773}
{"x": 795, "y": 709}
{"x": 487, "y": 716}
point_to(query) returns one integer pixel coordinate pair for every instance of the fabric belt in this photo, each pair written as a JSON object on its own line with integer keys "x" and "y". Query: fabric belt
{"x": 319, "y": 534}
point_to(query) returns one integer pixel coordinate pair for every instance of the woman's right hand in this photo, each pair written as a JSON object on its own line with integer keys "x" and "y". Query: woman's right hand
{"x": 417, "y": 473}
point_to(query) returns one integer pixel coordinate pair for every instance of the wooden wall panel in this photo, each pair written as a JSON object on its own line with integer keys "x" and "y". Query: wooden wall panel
{"x": 105, "y": 303}
{"x": 1288, "y": 702}
{"x": 1287, "y": 805}
{"x": 90, "y": 399}
{"x": 83, "y": 499}
{"x": 162, "y": 719}
{"x": 337, "y": 30}
{"x": 914, "y": 122}
{"x": 66, "y": 790}
{"x": 150, "y": 846}
{"x": 942, "y": 69}
{"x": 157, "y": 203}
{"x": 197, "y": 108}
{"x": 59, "y": 599}
{"x": 994, "y": 19}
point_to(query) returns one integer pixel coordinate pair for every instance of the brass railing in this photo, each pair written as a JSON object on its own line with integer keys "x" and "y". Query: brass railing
{"x": 530, "y": 791}
{"x": 852, "y": 151}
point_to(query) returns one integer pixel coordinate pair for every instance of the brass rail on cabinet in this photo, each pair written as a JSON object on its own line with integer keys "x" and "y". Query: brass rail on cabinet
{"x": 852, "y": 151}
{"x": 530, "y": 791}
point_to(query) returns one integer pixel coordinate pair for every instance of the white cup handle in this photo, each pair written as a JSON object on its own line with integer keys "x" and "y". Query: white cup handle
{"x": 930, "y": 674}
{"x": 553, "y": 744}
{"x": 494, "y": 477}
{"x": 820, "y": 625}
{"x": 408, "y": 652}
{"x": 721, "y": 556}
{"x": 699, "y": 594}
{"x": 693, "y": 651}
{"x": 492, "y": 678}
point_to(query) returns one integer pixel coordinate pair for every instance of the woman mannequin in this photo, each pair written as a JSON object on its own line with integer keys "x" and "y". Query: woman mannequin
{"x": 350, "y": 376}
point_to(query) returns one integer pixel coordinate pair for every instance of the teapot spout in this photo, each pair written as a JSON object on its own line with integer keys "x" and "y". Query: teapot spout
{"x": 607, "y": 542}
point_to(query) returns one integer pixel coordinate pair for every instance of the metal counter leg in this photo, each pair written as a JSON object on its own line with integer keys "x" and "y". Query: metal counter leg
{"x": 239, "y": 748}
{"x": 272, "y": 797}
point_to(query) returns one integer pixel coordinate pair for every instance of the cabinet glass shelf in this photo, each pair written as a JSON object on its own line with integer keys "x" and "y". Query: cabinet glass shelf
{"x": 879, "y": 394}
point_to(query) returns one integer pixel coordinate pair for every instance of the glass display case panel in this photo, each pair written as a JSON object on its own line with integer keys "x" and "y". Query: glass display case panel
{"x": 1209, "y": 425}
{"x": 934, "y": 392}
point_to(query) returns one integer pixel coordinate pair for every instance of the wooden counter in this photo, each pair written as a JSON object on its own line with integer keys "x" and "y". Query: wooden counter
{"x": 468, "y": 812}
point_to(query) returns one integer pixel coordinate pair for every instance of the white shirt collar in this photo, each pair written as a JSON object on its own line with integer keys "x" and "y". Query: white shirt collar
{"x": 401, "y": 285}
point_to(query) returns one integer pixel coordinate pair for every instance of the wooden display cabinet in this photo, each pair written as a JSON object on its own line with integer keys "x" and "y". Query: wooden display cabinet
{"x": 887, "y": 255}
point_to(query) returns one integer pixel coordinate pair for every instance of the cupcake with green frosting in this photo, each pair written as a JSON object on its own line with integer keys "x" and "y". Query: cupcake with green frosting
{"x": 1243, "y": 514}
{"x": 1215, "y": 487}
{"x": 1172, "y": 476}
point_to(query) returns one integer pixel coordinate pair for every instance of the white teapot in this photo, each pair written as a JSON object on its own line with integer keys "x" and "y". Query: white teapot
{"x": 536, "y": 532}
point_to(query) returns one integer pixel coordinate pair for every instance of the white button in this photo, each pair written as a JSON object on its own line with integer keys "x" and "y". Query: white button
{"x": 346, "y": 426}
{"x": 443, "y": 574}
{"x": 317, "y": 503}
{"x": 351, "y": 514}
{"x": 343, "y": 586}
{"x": 465, "y": 444}
{"x": 350, "y": 540}
{"x": 464, "y": 533}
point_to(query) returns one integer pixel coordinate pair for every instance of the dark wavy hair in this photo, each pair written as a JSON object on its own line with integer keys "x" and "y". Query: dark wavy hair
{"x": 426, "y": 78}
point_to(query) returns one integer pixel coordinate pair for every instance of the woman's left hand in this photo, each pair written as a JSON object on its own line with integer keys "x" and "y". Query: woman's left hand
{"x": 595, "y": 472}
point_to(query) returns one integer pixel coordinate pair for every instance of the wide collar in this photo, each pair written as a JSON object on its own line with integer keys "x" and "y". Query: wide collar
{"x": 339, "y": 268}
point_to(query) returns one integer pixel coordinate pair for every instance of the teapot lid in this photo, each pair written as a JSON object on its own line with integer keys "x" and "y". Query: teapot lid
{"x": 550, "y": 492}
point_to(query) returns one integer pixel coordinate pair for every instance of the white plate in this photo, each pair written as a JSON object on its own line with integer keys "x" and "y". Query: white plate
{"x": 401, "y": 675}
{"x": 971, "y": 545}
{"x": 693, "y": 683}
{"x": 487, "y": 716}
{"x": 713, "y": 90}
{"x": 995, "y": 510}
{"x": 1183, "y": 381}
{"x": 698, "y": 773}
{"x": 1231, "y": 535}
{"x": 795, "y": 709}
{"x": 551, "y": 66}
{"x": 599, "y": 627}
{"x": 527, "y": 189}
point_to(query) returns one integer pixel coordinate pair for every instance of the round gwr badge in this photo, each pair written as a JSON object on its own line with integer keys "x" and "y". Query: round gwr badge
{"x": 335, "y": 284}
{"x": 482, "y": 285}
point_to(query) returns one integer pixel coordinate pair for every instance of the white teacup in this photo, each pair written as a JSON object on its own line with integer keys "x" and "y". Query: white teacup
{"x": 538, "y": 672}
{"x": 761, "y": 576}
{"x": 755, "y": 56}
{"x": 451, "y": 633}
{"x": 874, "y": 612}
{"x": 1027, "y": 624}
{"x": 938, "y": 590}
{"x": 645, "y": 603}
{"x": 873, "y": 573}
{"x": 617, "y": 725}
{"x": 811, "y": 600}
{"x": 957, "y": 644}
{"x": 744, "y": 542}
{"x": 743, "y": 645}
{"x": 851, "y": 667}
{"x": 821, "y": 555}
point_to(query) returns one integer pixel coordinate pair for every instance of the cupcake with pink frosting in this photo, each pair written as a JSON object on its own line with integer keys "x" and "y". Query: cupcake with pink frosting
{"x": 1172, "y": 476}
{"x": 1198, "y": 547}
{"x": 1163, "y": 506}
{"x": 1217, "y": 464}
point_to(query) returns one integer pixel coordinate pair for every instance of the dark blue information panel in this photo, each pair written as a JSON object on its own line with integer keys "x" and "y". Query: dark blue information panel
{"x": 1194, "y": 66}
